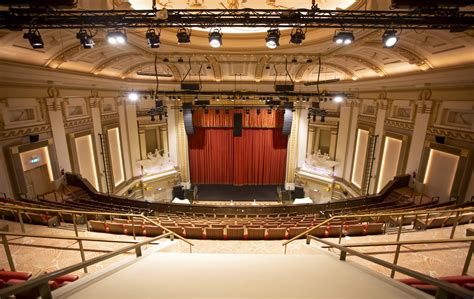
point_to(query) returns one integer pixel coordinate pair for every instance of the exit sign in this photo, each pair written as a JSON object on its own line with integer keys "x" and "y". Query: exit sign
{"x": 35, "y": 160}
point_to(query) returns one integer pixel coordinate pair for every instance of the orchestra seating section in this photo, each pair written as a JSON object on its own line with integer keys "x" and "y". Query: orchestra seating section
{"x": 462, "y": 281}
{"x": 10, "y": 278}
{"x": 234, "y": 227}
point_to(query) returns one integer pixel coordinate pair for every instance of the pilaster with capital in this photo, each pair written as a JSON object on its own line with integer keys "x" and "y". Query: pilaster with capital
{"x": 292, "y": 151}
{"x": 95, "y": 103}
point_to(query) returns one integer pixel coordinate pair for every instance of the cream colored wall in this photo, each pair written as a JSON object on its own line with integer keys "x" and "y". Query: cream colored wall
{"x": 86, "y": 158}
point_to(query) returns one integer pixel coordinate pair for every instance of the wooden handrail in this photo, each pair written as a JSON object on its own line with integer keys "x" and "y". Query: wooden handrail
{"x": 411, "y": 242}
{"x": 17, "y": 207}
{"x": 375, "y": 215}
{"x": 443, "y": 287}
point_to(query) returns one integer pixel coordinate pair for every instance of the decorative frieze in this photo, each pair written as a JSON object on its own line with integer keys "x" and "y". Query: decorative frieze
{"x": 367, "y": 118}
{"x": 13, "y": 133}
{"x": 453, "y": 134}
{"x": 107, "y": 117}
{"x": 399, "y": 124}
{"x": 77, "y": 123}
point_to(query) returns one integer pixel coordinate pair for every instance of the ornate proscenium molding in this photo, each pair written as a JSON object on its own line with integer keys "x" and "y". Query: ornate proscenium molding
{"x": 17, "y": 19}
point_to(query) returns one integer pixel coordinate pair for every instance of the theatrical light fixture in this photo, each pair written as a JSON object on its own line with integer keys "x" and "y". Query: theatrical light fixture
{"x": 133, "y": 96}
{"x": 389, "y": 38}
{"x": 184, "y": 37}
{"x": 34, "y": 37}
{"x": 116, "y": 37}
{"x": 273, "y": 38}
{"x": 153, "y": 38}
{"x": 85, "y": 38}
{"x": 343, "y": 37}
{"x": 297, "y": 37}
{"x": 338, "y": 99}
{"x": 215, "y": 38}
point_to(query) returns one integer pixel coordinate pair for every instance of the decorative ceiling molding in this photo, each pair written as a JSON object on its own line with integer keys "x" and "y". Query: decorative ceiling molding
{"x": 65, "y": 54}
{"x": 216, "y": 67}
{"x": 260, "y": 67}
{"x": 110, "y": 61}
{"x": 362, "y": 61}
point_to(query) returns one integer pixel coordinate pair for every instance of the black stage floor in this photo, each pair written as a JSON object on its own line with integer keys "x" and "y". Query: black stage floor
{"x": 237, "y": 193}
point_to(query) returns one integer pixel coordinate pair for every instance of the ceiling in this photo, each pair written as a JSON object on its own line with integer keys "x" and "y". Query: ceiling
{"x": 244, "y": 56}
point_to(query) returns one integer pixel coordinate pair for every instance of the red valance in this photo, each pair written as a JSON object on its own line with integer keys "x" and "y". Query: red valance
{"x": 221, "y": 119}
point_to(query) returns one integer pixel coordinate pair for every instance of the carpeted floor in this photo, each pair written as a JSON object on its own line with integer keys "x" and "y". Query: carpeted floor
{"x": 237, "y": 193}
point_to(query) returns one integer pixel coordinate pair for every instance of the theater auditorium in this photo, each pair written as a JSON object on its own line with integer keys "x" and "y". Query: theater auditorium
{"x": 236, "y": 149}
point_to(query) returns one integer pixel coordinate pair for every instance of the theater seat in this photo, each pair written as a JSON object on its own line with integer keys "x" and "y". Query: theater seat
{"x": 235, "y": 233}
{"x": 374, "y": 228}
{"x": 116, "y": 228}
{"x": 319, "y": 232}
{"x": 276, "y": 233}
{"x": 354, "y": 230}
{"x": 66, "y": 278}
{"x": 214, "y": 233}
{"x": 194, "y": 232}
{"x": 8, "y": 275}
{"x": 152, "y": 231}
{"x": 97, "y": 226}
{"x": 255, "y": 233}
{"x": 294, "y": 231}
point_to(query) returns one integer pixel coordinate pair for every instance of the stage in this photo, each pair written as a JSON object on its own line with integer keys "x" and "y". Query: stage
{"x": 259, "y": 193}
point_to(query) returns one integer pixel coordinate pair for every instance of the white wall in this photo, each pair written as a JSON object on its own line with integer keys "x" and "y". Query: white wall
{"x": 390, "y": 160}
{"x": 440, "y": 172}
{"x": 362, "y": 143}
{"x": 86, "y": 159}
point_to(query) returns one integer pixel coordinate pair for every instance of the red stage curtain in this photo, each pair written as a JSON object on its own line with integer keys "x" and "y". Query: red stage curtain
{"x": 226, "y": 120}
{"x": 258, "y": 157}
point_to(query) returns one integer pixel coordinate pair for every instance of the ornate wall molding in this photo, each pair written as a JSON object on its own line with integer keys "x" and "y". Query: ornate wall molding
{"x": 106, "y": 117}
{"x": 399, "y": 124}
{"x": 21, "y": 132}
{"x": 77, "y": 122}
{"x": 367, "y": 118}
{"x": 453, "y": 134}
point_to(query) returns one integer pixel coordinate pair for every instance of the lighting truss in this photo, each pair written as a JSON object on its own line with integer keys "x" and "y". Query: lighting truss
{"x": 18, "y": 18}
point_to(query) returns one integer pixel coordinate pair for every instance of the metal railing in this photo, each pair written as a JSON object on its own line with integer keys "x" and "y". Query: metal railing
{"x": 40, "y": 284}
{"x": 400, "y": 217}
{"x": 444, "y": 288}
{"x": 18, "y": 210}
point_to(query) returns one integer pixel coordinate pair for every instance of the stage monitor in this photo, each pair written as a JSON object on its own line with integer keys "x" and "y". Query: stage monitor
{"x": 298, "y": 193}
{"x": 238, "y": 124}
{"x": 188, "y": 118}
{"x": 178, "y": 192}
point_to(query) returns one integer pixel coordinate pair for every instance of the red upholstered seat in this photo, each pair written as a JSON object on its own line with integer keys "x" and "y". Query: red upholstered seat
{"x": 2, "y": 283}
{"x": 255, "y": 233}
{"x": 276, "y": 233}
{"x": 8, "y": 275}
{"x": 235, "y": 233}
{"x": 214, "y": 233}
{"x": 66, "y": 278}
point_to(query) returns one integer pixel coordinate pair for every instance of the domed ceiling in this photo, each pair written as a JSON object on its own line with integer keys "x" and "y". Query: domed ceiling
{"x": 243, "y": 56}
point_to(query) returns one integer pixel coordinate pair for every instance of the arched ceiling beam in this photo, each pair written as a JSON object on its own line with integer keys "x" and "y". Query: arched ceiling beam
{"x": 110, "y": 61}
{"x": 216, "y": 67}
{"x": 260, "y": 67}
{"x": 362, "y": 61}
{"x": 335, "y": 67}
{"x": 172, "y": 68}
{"x": 411, "y": 56}
{"x": 65, "y": 54}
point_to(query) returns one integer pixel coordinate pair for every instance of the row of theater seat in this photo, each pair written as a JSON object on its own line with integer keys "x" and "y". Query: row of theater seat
{"x": 462, "y": 281}
{"x": 11, "y": 278}
{"x": 210, "y": 231}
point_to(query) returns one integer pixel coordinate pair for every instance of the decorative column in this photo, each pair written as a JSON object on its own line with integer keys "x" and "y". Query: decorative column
{"x": 352, "y": 135}
{"x": 124, "y": 137}
{"x": 57, "y": 126}
{"x": 183, "y": 153}
{"x": 310, "y": 141}
{"x": 303, "y": 138}
{"x": 343, "y": 138}
{"x": 134, "y": 142}
{"x": 292, "y": 151}
{"x": 382, "y": 105}
{"x": 142, "y": 137}
{"x": 94, "y": 103}
{"x": 422, "y": 120}
{"x": 173, "y": 134}
{"x": 164, "y": 140}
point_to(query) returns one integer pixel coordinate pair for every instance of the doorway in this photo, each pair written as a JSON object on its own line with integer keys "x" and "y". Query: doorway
{"x": 37, "y": 181}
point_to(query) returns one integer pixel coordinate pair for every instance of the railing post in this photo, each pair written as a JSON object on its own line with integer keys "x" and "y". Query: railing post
{"x": 133, "y": 227}
{"x": 20, "y": 218}
{"x": 45, "y": 291}
{"x": 138, "y": 251}
{"x": 340, "y": 233}
{"x": 308, "y": 240}
{"x": 83, "y": 256}
{"x": 172, "y": 237}
{"x": 400, "y": 228}
{"x": 190, "y": 248}
{"x": 285, "y": 249}
{"x": 343, "y": 255}
{"x": 455, "y": 224}
{"x": 468, "y": 259}
{"x": 75, "y": 224}
{"x": 442, "y": 294}
{"x": 395, "y": 260}
{"x": 8, "y": 253}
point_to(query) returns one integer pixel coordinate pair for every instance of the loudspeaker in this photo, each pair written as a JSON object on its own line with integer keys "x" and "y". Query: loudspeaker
{"x": 287, "y": 119}
{"x": 189, "y": 194}
{"x": 178, "y": 192}
{"x": 440, "y": 139}
{"x": 238, "y": 124}
{"x": 298, "y": 193}
{"x": 33, "y": 138}
{"x": 284, "y": 87}
{"x": 190, "y": 86}
{"x": 202, "y": 103}
{"x": 188, "y": 118}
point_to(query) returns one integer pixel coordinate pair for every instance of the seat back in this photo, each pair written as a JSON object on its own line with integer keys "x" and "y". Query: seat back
{"x": 116, "y": 228}
{"x": 235, "y": 233}
{"x": 194, "y": 232}
{"x": 214, "y": 233}
{"x": 294, "y": 231}
{"x": 276, "y": 233}
{"x": 355, "y": 230}
{"x": 374, "y": 228}
{"x": 152, "y": 230}
{"x": 254, "y": 233}
{"x": 97, "y": 226}
{"x": 319, "y": 232}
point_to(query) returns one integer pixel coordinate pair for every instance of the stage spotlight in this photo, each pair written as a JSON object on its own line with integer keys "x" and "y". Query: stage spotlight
{"x": 215, "y": 38}
{"x": 273, "y": 38}
{"x": 338, "y": 99}
{"x": 297, "y": 37}
{"x": 86, "y": 39}
{"x": 133, "y": 96}
{"x": 389, "y": 38}
{"x": 184, "y": 37}
{"x": 115, "y": 37}
{"x": 153, "y": 38}
{"x": 34, "y": 37}
{"x": 343, "y": 37}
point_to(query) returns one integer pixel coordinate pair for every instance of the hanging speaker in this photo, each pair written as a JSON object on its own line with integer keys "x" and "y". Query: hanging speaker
{"x": 188, "y": 118}
{"x": 33, "y": 138}
{"x": 287, "y": 119}
{"x": 238, "y": 124}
